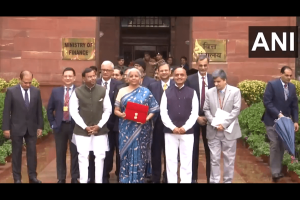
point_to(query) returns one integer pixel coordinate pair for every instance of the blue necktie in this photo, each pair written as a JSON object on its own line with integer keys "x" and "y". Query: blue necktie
{"x": 26, "y": 98}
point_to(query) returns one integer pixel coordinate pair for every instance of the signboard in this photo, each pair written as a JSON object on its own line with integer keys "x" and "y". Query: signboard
{"x": 78, "y": 48}
{"x": 215, "y": 49}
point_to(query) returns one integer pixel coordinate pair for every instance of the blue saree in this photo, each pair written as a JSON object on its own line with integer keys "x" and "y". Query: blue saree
{"x": 134, "y": 138}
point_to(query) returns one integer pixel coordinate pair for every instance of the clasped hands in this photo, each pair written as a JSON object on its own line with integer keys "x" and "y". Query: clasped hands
{"x": 178, "y": 130}
{"x": 92, "y": 129}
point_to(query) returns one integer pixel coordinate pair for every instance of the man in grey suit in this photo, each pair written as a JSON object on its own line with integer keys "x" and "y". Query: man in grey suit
{"x": 23, "y": 118}
{"x": 226, "y": 98}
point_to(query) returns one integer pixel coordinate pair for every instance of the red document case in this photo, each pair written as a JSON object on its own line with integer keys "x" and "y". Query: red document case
{"x": 136, "y": 112}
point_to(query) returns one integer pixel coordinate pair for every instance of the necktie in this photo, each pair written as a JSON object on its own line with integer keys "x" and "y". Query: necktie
{"x": 165, "y": 86}
{"x": 105, "y": 85}
{"x": 286, "y": 92}
{"x": 202, "y": 92}
{"x": 26, "y": 98}
{"x": 67, "y": 98}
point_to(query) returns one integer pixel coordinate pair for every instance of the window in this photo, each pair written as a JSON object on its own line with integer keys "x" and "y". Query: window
{"x": 139, "y": 21}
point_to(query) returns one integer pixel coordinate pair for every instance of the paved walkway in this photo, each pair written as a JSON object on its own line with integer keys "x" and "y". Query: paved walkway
{"x": 248, "y": 168}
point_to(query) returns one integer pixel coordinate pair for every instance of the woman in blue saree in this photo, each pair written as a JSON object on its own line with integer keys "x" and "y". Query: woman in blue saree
{"x": 134, "y": 138}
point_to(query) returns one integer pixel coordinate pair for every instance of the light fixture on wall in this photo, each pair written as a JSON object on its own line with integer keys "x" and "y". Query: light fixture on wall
{"x": 187, "y": 42}
{"x": 101, "y": 34}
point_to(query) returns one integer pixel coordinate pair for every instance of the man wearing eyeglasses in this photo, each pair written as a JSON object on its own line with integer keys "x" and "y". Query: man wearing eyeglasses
{"x": 201, "y": 82}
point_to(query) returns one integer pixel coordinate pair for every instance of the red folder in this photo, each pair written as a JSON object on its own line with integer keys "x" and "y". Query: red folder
{"x": 136, "y": 112}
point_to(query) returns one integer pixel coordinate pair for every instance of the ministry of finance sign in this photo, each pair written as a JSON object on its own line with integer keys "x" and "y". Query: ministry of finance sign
{"x": 215, "y": 49}
{"x": 78, "y": 48}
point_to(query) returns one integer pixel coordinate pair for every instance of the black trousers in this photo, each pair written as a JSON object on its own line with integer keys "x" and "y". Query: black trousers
{"x": 113, "y": 138}
{"x": 17, "y": 145}
{"x": 196, "y": 152}
{"x": 158, "y": 146}
{"x": 62, "y": 138}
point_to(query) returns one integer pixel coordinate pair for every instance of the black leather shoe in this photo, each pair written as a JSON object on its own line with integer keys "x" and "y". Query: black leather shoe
{"x": 74, "y": 180}
{"x": 62, "y": 181}
{"x": 34, "y": 180}
{"x": 194, "y": 181}
{"x": 17, "y": 181}
{"x": 276, "y": 177}
{"x": 91, "y": 181}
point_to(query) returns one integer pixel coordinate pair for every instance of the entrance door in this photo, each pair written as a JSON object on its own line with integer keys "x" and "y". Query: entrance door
{"x": 140, "y": 50}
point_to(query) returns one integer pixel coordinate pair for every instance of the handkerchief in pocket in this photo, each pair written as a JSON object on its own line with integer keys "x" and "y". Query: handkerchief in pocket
{"x": 101, "y": 99}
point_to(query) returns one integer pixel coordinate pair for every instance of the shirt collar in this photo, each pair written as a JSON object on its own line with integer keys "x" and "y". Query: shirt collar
{"x": 108, "y": 82}
{"x": 163, "y": 83}
{"x": 23, "y": 88}
{"x": 70, "y": 88}
{"x": 283, "y": 83}
{"x": 200, "y": 76}
{"x": 177, "y": 86}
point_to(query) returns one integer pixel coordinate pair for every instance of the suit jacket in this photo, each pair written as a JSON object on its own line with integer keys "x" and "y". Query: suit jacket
{"x": 56, "y": 104}
{"x": 147, "y": 81}
{"x": 231, "y": 104}
{"x": 112, "y": 90}
{"x": 193, "y": 82}
{"x": 116, "y": 127}
{"x": 274, "y": 102}
{"x": 157, "y": 91}
{"x": 16, "y": 117}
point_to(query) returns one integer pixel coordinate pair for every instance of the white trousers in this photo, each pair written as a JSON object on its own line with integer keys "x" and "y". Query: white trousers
{"x": 185, "y": 144}
{"x": 228, "y": 148}
{"x": 99, "y": 145}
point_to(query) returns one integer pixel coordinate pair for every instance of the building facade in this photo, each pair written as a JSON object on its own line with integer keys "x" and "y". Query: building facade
{"x": 35, "y": 44}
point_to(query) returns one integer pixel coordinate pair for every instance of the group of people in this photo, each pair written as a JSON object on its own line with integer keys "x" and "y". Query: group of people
{"x": 91, "y": 120}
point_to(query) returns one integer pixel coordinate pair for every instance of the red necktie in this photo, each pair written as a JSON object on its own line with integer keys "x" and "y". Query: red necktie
{"x": 66, "y": 113}
{"x": 202, "y": 92}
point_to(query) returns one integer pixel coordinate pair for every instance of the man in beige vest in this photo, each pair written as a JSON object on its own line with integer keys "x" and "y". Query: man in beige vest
{"x": 90, "y": 107}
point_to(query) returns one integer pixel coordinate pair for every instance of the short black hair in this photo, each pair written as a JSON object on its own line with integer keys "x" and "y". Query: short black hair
{"x": 69, "y": 69}
{"x": 94, "y": 68}
{"x": 284, "y": 68}
{"x": 120, "y": 58}
{"x": 183, "y": 58}
{"x": 121, "y": 72}
{"x": 86, "y": 70}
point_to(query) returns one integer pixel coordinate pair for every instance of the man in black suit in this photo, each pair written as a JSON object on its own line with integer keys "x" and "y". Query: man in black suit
{"x": 141, "y": 66}
{"x": 23, "y": 118}
{"x": 158, "y": 142}
{"x": 280, "y": 99}
{"x": 200, "y": 82}
{"x": 63, "y": 126}
{"x": 107, "y": 69}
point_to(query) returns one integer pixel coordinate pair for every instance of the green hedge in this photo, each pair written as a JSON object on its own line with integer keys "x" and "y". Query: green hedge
{"x": 254, "y": 131}
{"x": 5, "y": 144}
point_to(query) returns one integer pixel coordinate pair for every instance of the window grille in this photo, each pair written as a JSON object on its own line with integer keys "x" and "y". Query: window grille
{"x": 139, "y": 21}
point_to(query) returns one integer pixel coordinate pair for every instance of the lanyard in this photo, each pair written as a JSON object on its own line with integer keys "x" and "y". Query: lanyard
{"x": 70, "y": 92}
{"x": 222, "y": 103}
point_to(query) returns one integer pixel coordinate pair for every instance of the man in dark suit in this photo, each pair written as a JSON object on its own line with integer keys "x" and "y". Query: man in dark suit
{"x": 23, "y": 118}
{"x": 158, "y": 142}
{"x": 200, "y": 82}
{"x": 63, "y": 126}
{"x": 107, "y": 69}
{"x": 141, "y": 66}
{"x": 280, "y": 99}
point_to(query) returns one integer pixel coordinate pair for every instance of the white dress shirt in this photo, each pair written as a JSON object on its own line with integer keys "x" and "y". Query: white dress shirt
{"x": 166, "y": 119}
{"x": 23, "y": 93}
{"x": 163, "y": 83}
{"x": 108, "y": 84}
{"x": 74, "y": 112}
{"x": 200, "y": 84}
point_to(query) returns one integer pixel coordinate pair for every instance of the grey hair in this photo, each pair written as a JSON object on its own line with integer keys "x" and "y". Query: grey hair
{"x": 202, "y": 57}
{"x": 219, "y": 73}
{"x": 107, "y": 62}
{"x": 134, "y": 69}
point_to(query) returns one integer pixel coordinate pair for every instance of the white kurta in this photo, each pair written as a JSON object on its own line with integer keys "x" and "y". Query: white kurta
{"x": 98, "y": 144}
